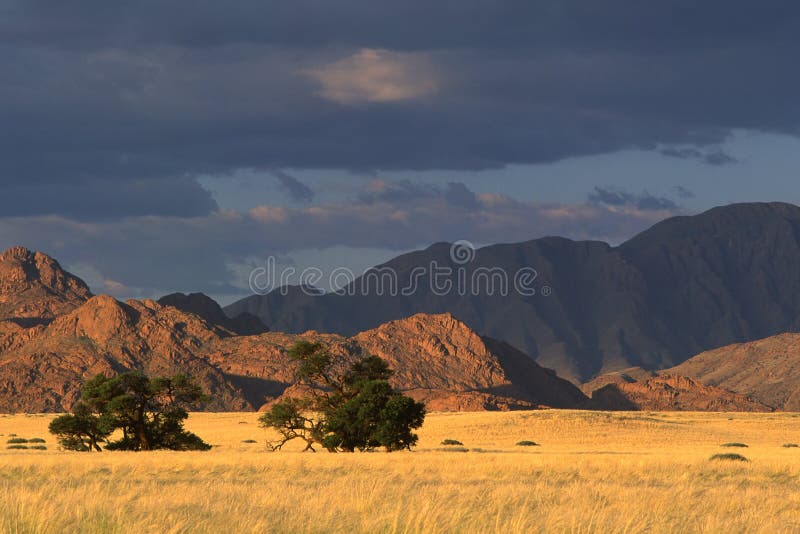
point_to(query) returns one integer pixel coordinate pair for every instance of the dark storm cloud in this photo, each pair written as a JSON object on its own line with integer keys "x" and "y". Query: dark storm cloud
{"x": 111, "y": 110}
{"x": 400, "y": 192}
{"x": 98, "y": 199}
{"x": 713, "y": 157}
{"x": 644, "y": 201}
{"x": 683, "y": 192}
{"x": 132, "y": 90}
{"x": 297, "y": 190}
{"x": 485, "y": 23}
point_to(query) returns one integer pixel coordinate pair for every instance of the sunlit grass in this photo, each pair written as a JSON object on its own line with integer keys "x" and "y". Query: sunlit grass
{"x": 620, "y": 472}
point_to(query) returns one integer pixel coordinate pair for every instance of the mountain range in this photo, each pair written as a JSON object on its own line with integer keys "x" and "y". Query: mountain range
{"x": 617, "y": 321}
{"x": 54, "y": 334}
{"x": 686, "y": 285}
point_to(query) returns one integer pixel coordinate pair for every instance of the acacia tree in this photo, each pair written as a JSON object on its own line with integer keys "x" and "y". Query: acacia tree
{"x": 81, "y": 430}
{"x": 344, "y": 407}
{"x": 149, "y": 412}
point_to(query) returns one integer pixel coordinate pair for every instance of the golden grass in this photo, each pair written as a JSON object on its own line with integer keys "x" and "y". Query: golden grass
{"x": 614, "y": 472}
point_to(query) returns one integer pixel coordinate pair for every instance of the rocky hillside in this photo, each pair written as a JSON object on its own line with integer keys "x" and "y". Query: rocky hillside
{"x": 34, "y": 288}
{"x": 767, "y": 369}
{"x": 43, "y": 362}
{"x": 686, "y": 285}
{"x": 672, "y": 392}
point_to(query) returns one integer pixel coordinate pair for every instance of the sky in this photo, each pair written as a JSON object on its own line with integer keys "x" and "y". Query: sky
{"x": 154, "y": 147}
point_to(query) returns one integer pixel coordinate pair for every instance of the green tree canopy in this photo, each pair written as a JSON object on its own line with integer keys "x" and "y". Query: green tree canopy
{"x": 346, "y": 406}
{"x": 149, "y": 411}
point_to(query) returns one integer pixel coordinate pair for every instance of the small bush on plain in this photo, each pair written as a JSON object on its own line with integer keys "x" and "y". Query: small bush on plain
{"x": 730, "y": 456}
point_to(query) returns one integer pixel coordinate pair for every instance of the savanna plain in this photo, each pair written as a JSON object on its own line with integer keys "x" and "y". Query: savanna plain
{"x": 589, "y": 472}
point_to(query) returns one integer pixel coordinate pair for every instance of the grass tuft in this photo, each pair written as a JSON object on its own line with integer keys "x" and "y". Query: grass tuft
{"x": 790, "y": 445}
{"x": 451, "y": 442}
{"x": 734, "y": 444}
{"x": 17, "y": 440}
{"x": 527, "y": 443}
{"x": 732, "y": 456}
{"x": 454, "y": 449}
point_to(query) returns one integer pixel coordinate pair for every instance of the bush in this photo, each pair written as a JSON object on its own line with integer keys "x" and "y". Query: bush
{"x": 734, "y": 444}
{"x": 451, "y": 442}
{"x": 526, "y": 443}
{"x": 38, "y": 447}
{"x": 17, "y": 440}
{"x": 455, "y": 449}
{"x": 17, "y": 447}
{"x": 249, "y": 441}
{"x": 36, "y": 440}
{"x": 730, "y": 456}
{"x": 790, "y": 445}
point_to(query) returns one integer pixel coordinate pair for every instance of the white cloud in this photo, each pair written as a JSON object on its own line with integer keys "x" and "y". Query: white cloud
{"x": 376, "y": 75}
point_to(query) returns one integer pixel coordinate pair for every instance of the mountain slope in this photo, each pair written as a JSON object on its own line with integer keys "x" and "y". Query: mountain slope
{"x": 245, "y": 324}
{"x": 44, "y": 374}
{"x": 34, "y": 288}
{"x": 686, "y": 285}
{"x": 767, "y": 369}
{"x": 435, "y": 358}
{"x": 669, "y": 392}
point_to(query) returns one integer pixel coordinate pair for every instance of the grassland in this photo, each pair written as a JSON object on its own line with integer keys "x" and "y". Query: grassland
{"x": 592, "y": 472}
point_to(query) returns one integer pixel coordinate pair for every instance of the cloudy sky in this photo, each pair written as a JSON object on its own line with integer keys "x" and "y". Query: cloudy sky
{"x": 156, "y": 146}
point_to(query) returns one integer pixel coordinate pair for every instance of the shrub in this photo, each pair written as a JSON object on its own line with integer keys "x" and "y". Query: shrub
{"x": 734, "y": 444}
{"x": 36, "y": 440}
{"x": 38, "y": 447}
{"x": 451, "y": 442}
{"x": 527, "y": 443}
{"x": 730, "y": 456}
{"x": 455, "y": 449}
{"x": 249, "y": 441}
{"x": 790, "y": 445}
{"x": 17, "y": 447}
{"x": 17, "y": 440}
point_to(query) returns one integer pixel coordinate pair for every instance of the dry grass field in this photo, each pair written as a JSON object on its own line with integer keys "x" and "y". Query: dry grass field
{"x": 592, "y": 472}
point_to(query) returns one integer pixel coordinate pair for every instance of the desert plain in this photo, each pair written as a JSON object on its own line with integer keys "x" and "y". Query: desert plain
{"x": 590, "y": 472}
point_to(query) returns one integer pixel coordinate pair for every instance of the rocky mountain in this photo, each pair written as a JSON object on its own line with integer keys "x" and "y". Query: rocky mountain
{"x": 767, "y": 369}
{"x": 43, "y": 362}
{"x": 34, "y": 288}
{"x": 245, "y": 324}
{"x": 686, "y": 285}
{"x": 435, "y": 358}
{"x": 44, "y": 373}
{"x": 671, "y": 393}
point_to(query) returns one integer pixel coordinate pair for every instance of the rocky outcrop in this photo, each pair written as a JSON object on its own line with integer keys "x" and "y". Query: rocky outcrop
{"x": 767, "y": 369}
{"x": 106, "y": 336}
{"x": 34, "y": 288}
{"x": 672, "y": 393}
